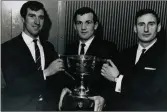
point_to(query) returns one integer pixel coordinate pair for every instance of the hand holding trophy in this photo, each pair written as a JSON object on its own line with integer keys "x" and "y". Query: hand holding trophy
{"x": 80, "y": 67}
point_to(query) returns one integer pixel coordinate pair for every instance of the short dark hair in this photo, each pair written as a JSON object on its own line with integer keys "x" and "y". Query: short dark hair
{"x": 33, "y": 5}
{"x": 85, "y": 10}
{"x": 146, "y": 11}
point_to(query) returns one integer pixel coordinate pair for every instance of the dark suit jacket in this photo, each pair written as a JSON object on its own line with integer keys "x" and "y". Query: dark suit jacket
{"x": 102, "y": 49}
{"x": 137, "y": 84}
{"x": 24, "y": 83}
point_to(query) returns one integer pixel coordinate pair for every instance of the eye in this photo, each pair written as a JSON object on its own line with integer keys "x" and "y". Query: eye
{"x": 78, "y": 22}
{"x": 41, "y": 17}
{"x": 152, "y": 23}
{"x": 31, "y": 15}
{"x": 88, "y": 22}
{"x": 140, "y": 24}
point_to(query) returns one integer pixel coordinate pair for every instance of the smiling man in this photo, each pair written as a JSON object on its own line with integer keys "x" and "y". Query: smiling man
{"x": 140, "y": 67}
{"x": 28, "y": 62}
{"x": 90, "y": 42}
{"x": 86, "y": 25}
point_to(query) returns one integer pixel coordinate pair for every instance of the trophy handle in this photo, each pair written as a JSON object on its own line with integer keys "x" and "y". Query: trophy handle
{"x": 65, "y": 58}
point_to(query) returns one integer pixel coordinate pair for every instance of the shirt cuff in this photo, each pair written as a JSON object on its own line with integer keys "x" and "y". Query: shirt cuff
{"x": 118, "y": 83}
{"x": 44, "y": 75}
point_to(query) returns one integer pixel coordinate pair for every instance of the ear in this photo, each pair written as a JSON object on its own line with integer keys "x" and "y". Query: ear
{"x": 96, "y": 25}
{"x": 135, "y": 28}
{"x": 159, "y": 27}
{"x": 22, "y": 19}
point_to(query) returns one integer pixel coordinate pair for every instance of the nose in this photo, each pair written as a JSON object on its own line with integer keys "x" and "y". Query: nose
{"x": 37, "y": 21}
{"x": 83, "y": 27}
{"x": 146, "y": 29}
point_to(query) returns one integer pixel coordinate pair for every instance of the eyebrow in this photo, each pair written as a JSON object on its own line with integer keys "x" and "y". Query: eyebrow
{"x": 152, "y": 22}
{"x": 85, "y": 21}
{"x": 32, "y": 14}
{"x": 89, "y": 21}
{"x": 148, "y": 22}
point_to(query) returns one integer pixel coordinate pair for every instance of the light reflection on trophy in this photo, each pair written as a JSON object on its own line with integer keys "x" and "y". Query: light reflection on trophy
{"x": 81, "y": 66}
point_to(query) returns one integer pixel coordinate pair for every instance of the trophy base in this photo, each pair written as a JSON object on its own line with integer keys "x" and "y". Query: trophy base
{"x": 77, "y": 103}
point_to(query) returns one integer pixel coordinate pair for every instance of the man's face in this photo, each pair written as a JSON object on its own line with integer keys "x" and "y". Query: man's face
{"x": 85, "y": 26}
{"x": 33, "y": 22}
{"x": 147, "y": 28}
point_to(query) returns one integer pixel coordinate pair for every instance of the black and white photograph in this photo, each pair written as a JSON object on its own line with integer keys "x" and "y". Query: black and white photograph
{"x": 83, "y": 55}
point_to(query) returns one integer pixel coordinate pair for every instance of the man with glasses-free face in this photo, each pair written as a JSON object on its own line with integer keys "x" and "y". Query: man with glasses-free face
{"x": 140, "y": 66}
{"x": 27, "y": 63}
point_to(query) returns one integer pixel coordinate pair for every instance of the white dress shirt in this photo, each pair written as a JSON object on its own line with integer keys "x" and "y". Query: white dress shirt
{"x": 87, "y": 44}
{"x": 139, "y": 51}
{"x": 140, "y": 48}
{"x": 30, "y": 44}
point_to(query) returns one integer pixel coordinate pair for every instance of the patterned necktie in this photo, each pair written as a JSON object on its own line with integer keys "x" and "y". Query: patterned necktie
{"x": 82, "y": 49}
{"x": 37, "y": 55}
{"x": 142, "y": 54}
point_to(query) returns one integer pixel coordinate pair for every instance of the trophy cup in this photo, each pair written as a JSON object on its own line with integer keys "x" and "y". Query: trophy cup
{"x": 80, "y": 66}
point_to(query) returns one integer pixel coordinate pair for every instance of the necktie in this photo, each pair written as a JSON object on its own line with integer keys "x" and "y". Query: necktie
{"x": 37, "y": 55}
{"x": 82, "y": 49}
{"x": 142, "y": 54}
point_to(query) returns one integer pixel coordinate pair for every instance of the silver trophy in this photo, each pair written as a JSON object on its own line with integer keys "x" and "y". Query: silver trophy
{"x": 81, "y": 66}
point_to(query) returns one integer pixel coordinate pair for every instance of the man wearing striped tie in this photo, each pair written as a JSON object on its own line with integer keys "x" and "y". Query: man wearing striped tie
{"x": 28, "y": 62}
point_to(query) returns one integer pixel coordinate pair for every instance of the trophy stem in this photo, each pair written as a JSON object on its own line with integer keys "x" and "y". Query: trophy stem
{"x": 82, "y": 92}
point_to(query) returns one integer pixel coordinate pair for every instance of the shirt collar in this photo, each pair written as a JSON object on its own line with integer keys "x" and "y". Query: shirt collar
{"x": 88, "y": 42}
{"x": 148, "y": 47}
{"x": 27, "y": 39}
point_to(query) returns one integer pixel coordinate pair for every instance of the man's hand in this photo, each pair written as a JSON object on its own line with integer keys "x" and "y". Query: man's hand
{"x": 109, "y": 71}
{"x": 99, "y": 103}
{"x": 56, "y": 66}
{"x": 63, "y": 93}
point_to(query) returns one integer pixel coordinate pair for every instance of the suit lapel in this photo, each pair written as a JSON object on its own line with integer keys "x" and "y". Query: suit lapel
{"x": 24, "y": 48}
{"x": 152, "y": 53}
{"x": 92, "y": 47}
{"x": 46, "y": 55}
{"x": 24, "y": 52}
{"x": 76, "y": 47}
{"x": 73, "y": 48}
{"x": 133, "y": 54}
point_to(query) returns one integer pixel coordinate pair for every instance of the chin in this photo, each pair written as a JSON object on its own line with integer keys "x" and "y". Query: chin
{"x": 147, "y": 41}
{"x": 84, "y": 38}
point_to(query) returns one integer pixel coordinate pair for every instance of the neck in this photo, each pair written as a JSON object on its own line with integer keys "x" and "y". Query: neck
{"x": 85, "y": 40}
{"x": 146, "y": 44}
{"x": 32, "y": 36}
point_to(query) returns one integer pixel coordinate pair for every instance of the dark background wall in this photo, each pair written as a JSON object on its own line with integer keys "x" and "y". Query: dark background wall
{"x": 116, "y": 17}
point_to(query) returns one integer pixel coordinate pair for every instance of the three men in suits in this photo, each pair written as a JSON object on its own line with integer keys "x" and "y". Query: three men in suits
{"x": 86, "y": 25}
{"x": 28, "y": 62}
{"x": 140, "y": 70}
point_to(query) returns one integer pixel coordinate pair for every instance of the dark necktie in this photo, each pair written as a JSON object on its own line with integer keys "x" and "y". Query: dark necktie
{"x": 37, "y": 55}
{"x": 82, "y": 49}
{"x": 142, "y": 54}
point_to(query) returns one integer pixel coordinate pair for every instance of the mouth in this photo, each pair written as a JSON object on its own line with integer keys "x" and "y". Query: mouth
{"x": 146, "y": 35}
{"x": 36, "y": 27}
{"x": 84, "y": 33}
